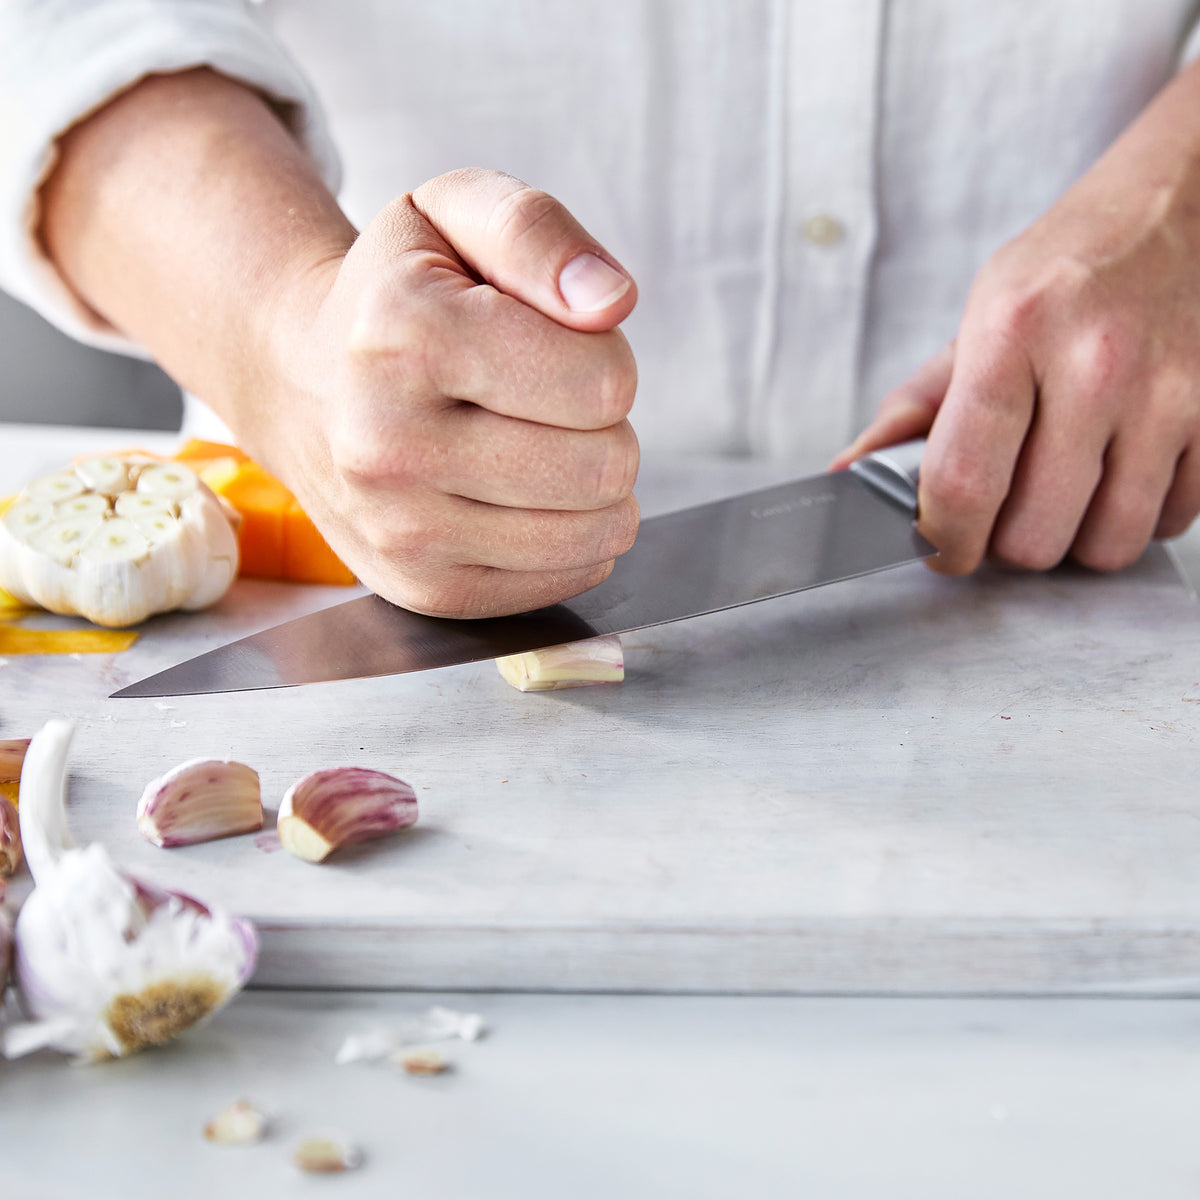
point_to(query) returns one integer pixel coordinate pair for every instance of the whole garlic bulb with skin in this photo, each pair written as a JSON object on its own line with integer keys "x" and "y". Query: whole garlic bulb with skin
{"x": 116, "y": 540}
{"x": 105, "y": 964}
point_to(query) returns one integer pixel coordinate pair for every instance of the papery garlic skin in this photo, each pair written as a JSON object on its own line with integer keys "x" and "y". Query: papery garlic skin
{"x": 573, "y": 664}
{"x": 72, "y": 543}
{"x": 327, "y": 1153}
{"x": 241, "y": 1124}
{"x": 422, "y": 1060}
{"x": 342, "y": 805}
{"x": 200, "y": 800}
{"x": 10, "y": 838}
{"x": 6, "y": 944}
{"x": 105, "y": 964}
{"x": 12, "y": 756}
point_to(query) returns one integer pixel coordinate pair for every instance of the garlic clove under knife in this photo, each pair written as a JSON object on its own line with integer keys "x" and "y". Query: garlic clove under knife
{"x": 116, "y": 540}
{"x": 107, "y": 964}
{"x": 573, "y": 664}
{"x": 199, "y": 801}
{"x": 342, "y": 805}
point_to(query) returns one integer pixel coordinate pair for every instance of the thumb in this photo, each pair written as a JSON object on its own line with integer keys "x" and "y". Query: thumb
{"x": 528, "y": 246}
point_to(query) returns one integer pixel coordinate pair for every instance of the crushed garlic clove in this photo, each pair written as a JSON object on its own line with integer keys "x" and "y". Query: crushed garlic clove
{"x": 573, "y": 664}
{"x": 10, "y": 837}
{"x": 327, "y": 1154}
{"x": 199, "y": 801}
{"x": 339, "y": 806}
{"x": 241, "y": 1124}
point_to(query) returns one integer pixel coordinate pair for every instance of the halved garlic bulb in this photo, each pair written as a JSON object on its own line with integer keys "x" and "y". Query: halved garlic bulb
{"x": 116, "y": 540}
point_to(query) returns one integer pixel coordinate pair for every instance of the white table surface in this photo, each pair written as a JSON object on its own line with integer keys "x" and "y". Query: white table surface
{"x": 632, "y": 1096}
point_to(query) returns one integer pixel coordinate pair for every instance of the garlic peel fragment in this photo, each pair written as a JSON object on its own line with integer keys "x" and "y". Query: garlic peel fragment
{"x": 339, "y": 806}
{"x": 422, "y": 1060}
{"x": 573, "y": 664}
{"x": 10, "y": 838}
{"x": 200, "y": 800}
{"x": 6, "y": 944}
{"x": 12, "y": 755}
{"x": 241, "y": 1124}
{"x": 326, "y": 1154}
{"x": 106, "y": 964}
{"x": 116, "y": 540}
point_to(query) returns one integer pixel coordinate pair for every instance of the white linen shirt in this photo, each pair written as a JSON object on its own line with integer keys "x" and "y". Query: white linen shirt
{"x": 803, "y": 190}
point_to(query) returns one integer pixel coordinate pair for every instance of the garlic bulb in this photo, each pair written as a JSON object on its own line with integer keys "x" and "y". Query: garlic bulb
{"x": 106, "y": 964}
{"x": 116, "y": 540}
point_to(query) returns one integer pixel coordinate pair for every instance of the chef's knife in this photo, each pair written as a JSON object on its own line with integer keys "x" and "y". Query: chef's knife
{"x": 755, "y": 546}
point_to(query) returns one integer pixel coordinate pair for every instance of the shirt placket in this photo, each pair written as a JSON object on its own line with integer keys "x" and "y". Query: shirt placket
{"x": 817, "y": 257}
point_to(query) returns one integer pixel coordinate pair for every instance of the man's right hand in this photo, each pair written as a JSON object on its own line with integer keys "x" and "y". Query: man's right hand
{"x": 445, "y": 393}
{"x": 452, "y": 401}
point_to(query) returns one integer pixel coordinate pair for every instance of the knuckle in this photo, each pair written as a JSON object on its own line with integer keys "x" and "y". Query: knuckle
{"x": 520, "y": 214}
{"x": 1025, "y": 551}
{"x": 370, "y": 460}
{"x": 454, "y": 593}
{"x": 959, "y": 487}
{"x": 1017, "y": 314}
{"x": 386, "y": 331}
{"x": 620, "y": 531}
{"x": 618, "y": 386}
{"x": 616, "y": 470}
{"x": 1102, "y": 356}
{"x": 1108, "y": 555}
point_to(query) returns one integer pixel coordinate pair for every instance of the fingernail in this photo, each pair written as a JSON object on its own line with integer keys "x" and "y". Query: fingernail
{"x": 588, "y": 283}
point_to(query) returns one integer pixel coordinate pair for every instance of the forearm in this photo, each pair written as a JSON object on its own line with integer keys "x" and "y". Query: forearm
{"x": 185, "y": 214}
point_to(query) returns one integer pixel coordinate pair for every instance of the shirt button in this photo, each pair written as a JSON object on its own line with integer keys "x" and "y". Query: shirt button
{"x": 823, "y": 230}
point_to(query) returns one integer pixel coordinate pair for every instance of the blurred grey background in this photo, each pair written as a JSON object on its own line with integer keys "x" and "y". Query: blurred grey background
{"x": 46, "y": 378}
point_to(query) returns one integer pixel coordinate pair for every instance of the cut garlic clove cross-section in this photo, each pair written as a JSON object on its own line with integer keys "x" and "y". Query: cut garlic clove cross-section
{"x": 140, "y": 504}
{"x": 172, "y": 480}
{"x": 61, "y": 485}
{"x": 103, "y": 474}
{"x": 86, "y": 504}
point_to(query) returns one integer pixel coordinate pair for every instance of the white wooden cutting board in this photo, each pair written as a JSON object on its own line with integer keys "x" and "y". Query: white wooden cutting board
{"x": 900, "y": 784}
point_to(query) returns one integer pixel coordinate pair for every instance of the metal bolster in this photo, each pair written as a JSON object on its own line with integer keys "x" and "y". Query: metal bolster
{"x": 893, "y": 472}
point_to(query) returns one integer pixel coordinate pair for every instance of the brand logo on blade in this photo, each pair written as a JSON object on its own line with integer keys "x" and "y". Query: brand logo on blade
{"x": 793, "y": 505}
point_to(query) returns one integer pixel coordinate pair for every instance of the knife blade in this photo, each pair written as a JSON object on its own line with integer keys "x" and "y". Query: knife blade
{"x": 723, "y": 554}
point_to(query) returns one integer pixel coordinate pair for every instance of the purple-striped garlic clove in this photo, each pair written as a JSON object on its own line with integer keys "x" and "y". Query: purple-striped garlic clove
{"x": 342, "y": 805}
{"x": 199, "y": 801}
{"x": 573, "y": 664}
{"x": 10, "y": 837}
{"x": 12, "y": 755}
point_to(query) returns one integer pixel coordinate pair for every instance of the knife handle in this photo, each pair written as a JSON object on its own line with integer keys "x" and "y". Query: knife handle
{"x": 893, "y": 472}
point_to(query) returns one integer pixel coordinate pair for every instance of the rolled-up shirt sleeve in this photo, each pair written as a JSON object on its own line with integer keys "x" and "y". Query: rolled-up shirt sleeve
{"x": 63, "y": 59}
